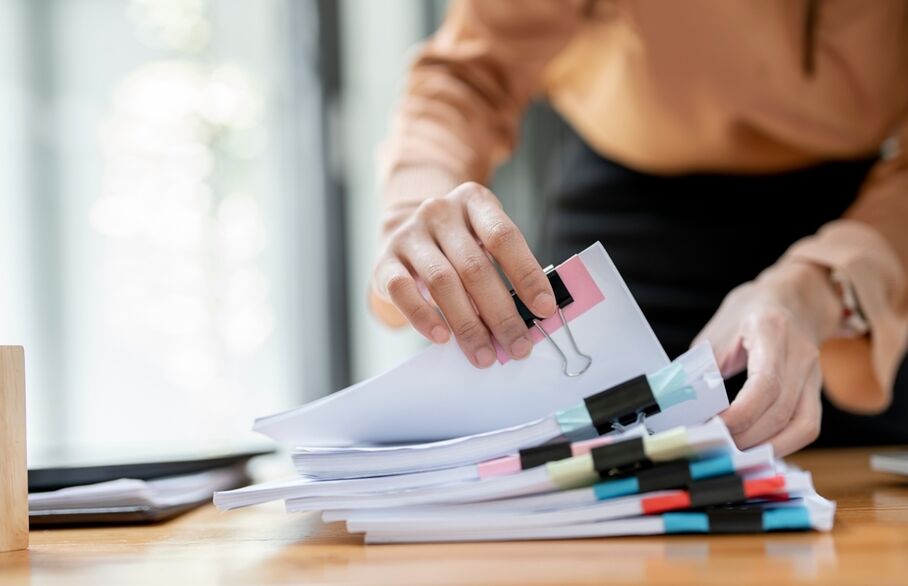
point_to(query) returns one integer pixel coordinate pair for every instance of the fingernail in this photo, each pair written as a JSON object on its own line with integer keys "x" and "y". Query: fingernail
{"x": 439, "y": 334}
{"x": 521, "y": 347}
{"x": 485, "y": 357}
{"x": 544, "y": 304}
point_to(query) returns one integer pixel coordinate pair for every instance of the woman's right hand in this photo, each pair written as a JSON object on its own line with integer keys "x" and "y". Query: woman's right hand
{"x": 451, "y": 245}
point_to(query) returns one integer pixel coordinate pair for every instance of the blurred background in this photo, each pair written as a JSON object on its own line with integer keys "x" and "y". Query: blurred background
{"x": 188, "y": 211}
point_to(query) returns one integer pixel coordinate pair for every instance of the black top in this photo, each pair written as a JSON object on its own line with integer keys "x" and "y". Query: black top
{"x": 683, "y": 242}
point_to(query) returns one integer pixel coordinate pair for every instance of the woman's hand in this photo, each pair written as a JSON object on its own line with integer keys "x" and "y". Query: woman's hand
{"x": 450, "y": 244}
{"x": 774, "y": 327}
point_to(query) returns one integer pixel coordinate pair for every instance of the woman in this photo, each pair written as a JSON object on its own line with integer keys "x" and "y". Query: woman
{"x": 730, "y": 161}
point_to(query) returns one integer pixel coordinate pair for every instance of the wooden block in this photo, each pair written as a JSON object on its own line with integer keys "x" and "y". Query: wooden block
{"x": 13, "y": 467}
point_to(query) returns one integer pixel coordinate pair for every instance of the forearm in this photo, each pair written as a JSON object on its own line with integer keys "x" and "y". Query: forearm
{"x": 465, "y": 93}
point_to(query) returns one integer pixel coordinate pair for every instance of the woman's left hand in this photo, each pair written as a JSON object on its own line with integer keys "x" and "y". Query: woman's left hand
{"x": 774, "y": 326}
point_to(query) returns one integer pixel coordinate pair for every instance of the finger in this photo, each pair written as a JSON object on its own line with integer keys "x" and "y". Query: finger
{"x": 487, "y": 290}
{"x": 723, "y": 334}
{"x": 804, "y": 426}
{"x": 780, "y": 412}
{"x": 501, "y": 237}
{"x": 400, "y": 287}
{"x": 448, "y": 292}
{"x": 765, "y": 346}
{"x": 385, "y": 310}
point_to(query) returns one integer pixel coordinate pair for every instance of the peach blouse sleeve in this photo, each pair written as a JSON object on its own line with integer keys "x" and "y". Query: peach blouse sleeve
{"x": 466, "y": 92}
{"x": 869, "y": 246}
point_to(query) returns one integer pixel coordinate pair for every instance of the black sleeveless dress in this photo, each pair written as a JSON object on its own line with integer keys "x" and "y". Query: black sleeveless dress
{"x": 683, "y": 242}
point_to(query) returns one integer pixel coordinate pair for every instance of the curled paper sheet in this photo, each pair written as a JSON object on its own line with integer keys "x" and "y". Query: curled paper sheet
{"x": 438, "y": 394}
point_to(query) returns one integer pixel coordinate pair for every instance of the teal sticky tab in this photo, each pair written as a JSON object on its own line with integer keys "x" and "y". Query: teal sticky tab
{"x": 615, "y": 488}
{"x": 575, "y": 423}
{"x": 786, "y": 518}
{"x": 675, "y": 396}
{"x": 710, "y": 467}
{"x": 668, "y": 385}
{"x": 686, "y": 522}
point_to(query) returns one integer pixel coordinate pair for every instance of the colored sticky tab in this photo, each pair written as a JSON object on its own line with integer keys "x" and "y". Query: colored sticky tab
{"x": 583, "y": 290}
{"x": 786, "y": 518}
{"x": 667, "y": 445}
{"x": 685, "y": 523}
{"x": 574, "y": 472}
{"x": 755, "y": 487}
{"x": 709, "y": 467}
{"x": 669, "y": 386}
{"x": 575, "y": 423}
{"x": 675, "y": 396}
{"x": 668, "y": 502}
{"x": 499, "y": 467}
{"x": 614, "y": 488}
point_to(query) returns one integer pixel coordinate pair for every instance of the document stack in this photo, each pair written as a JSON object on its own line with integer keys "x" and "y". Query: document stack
{"x": 596, "y": 434}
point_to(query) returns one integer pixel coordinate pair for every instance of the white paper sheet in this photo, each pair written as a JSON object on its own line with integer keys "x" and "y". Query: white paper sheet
{"x": 438, "y": 394}
{"x": 821, "y": 516}
{"x": 125, "y": 492}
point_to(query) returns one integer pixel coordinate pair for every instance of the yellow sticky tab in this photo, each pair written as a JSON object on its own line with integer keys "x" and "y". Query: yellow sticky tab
{"x": 667, "y": 445}
{"x": 572, "y": 472}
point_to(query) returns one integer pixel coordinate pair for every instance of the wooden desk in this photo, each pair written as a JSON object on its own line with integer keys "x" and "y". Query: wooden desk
{"x": 265, "y": 546}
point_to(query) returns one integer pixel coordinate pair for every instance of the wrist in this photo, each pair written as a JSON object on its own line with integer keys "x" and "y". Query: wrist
{"x": 807, "y": 290}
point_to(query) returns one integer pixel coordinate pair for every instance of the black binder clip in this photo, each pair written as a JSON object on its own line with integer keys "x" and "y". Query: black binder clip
{"x": 562, "y": 299}
{"x": 622, "y": 405}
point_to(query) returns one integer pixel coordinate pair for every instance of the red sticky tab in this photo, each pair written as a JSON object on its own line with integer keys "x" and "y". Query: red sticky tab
{"x": 763, "y": 486}
{"x": 669, "y": 502}
{"x": 779, "y": 497}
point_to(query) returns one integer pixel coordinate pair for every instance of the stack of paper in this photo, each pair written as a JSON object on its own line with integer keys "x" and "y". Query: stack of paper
{"x": 613, "y": 485}
{"x": 436, "y": 450}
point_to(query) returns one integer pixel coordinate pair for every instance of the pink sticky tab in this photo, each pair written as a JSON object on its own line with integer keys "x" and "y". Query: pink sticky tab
{"x": 584, "y": 447}
{"x": 583, "y": 290}
{"x": 499, "y": 467}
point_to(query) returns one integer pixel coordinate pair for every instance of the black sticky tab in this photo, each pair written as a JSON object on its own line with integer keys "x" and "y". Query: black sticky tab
{"x": 735, "y": 520}
{"x": 539, "y": 455}
{"x": 664, "y": 476}
{"x": 717, "y": 491}
{"x": 621, "y": 404}
{"x": 562, "y": 298}
{"x": 618, "y": 455}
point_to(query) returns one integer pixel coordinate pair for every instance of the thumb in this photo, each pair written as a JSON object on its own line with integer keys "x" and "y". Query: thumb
{"x": 385, "y": 311}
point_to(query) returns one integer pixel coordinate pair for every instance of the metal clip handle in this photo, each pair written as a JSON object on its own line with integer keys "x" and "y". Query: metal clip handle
{"x": 587, "y": 359}
{"x": 617, "y": 426}
{"x": 562, "y": 298}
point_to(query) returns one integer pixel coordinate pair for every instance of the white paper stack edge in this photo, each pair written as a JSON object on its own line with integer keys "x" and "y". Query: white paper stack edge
{"x": 502, "y": 464}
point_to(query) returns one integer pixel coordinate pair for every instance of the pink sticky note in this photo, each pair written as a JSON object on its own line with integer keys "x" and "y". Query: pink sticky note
{"x": 583, "y": 290}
